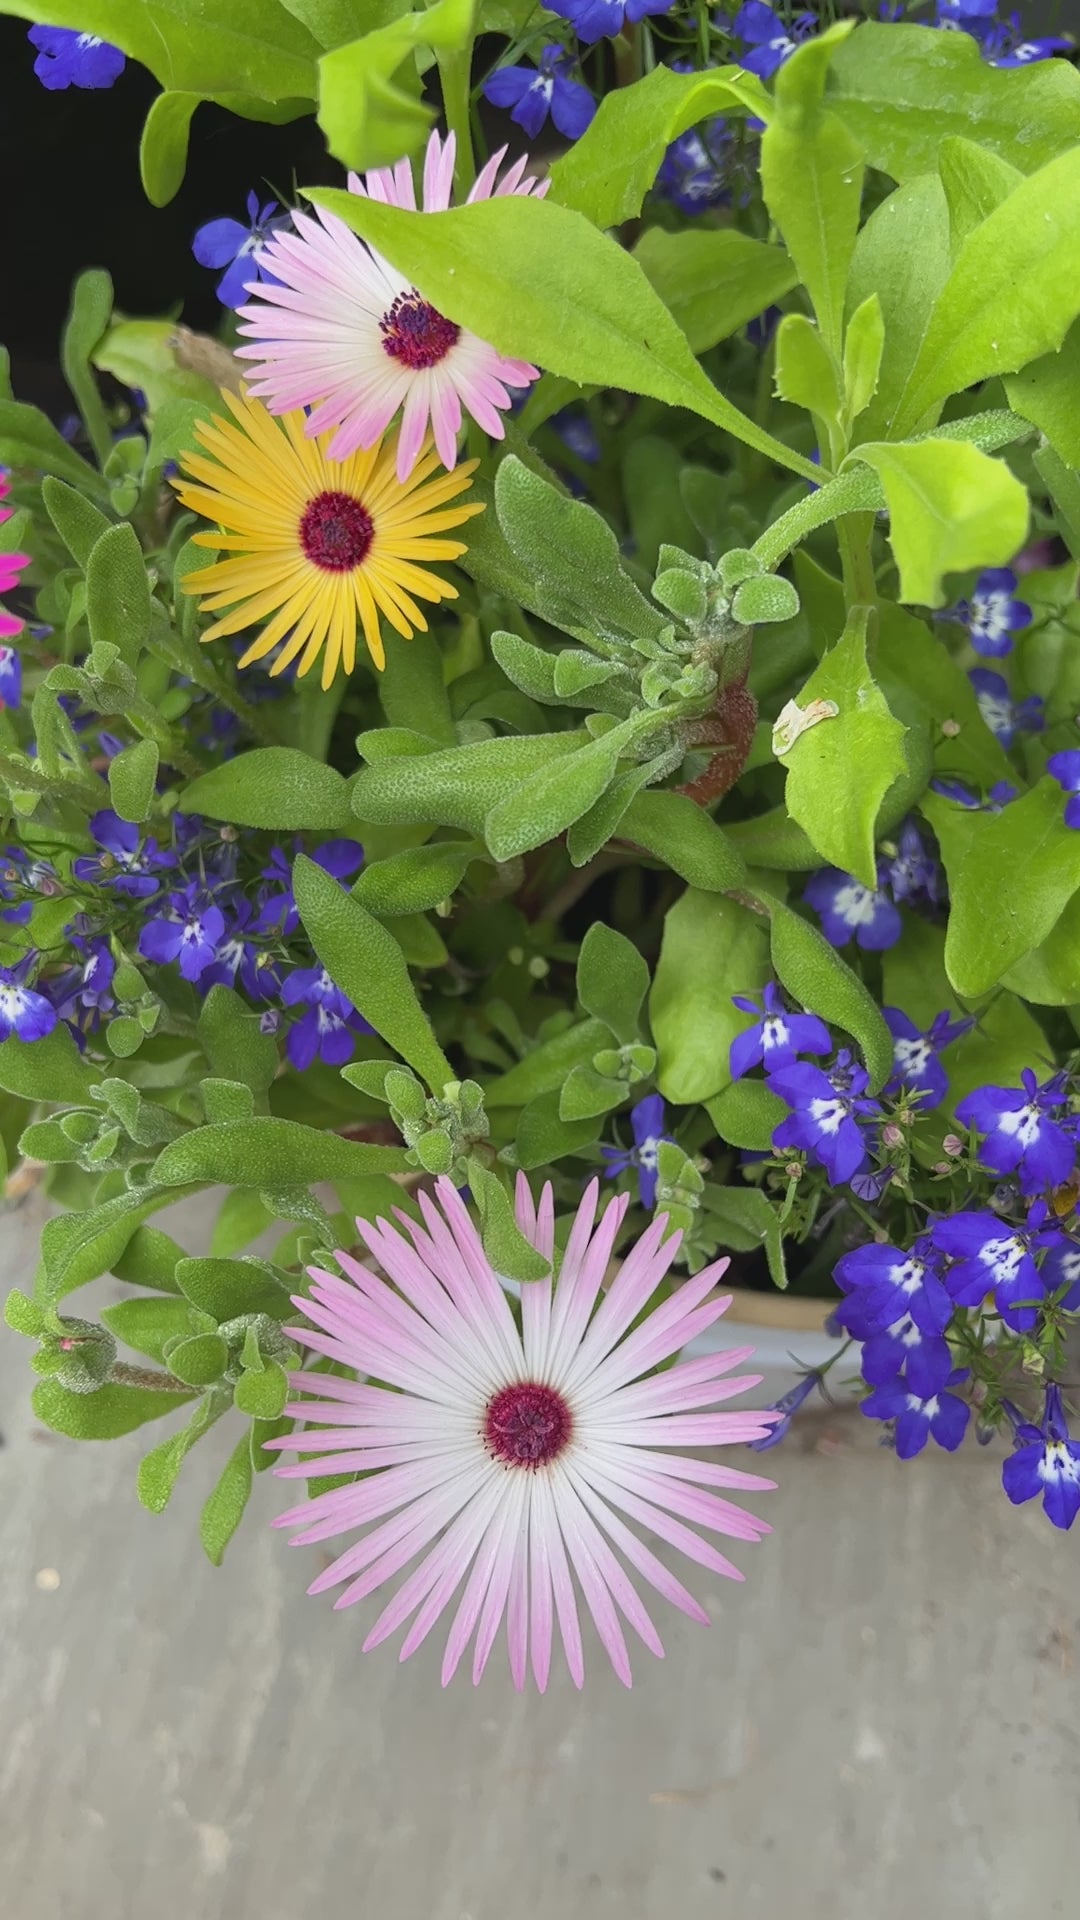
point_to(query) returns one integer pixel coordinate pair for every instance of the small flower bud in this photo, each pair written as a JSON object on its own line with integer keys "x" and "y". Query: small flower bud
{"x": 892, "y": 1135}
{"x": 952, "y": 1145}
{"x": 950, "y": 729}
{"x": 80, "y": 1355}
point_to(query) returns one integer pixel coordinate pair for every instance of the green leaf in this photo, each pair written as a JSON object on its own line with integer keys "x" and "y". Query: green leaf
{"x": 603, "y": 819}
{"x": 1049, "y": 976}
{"x": 226, "y": 1100}
{"x": 412, "y": 690}
{"x": 816, "y": 976}
{"x": 1063, "y": 487}
{"x": 172, "y": 434}
{"x": 1048, "y": 393}
{"x": 951, "y": 507}
{"x": 806, "y": 372}
{"x": 142, "y": 353}
{"x": 456, "y": 788}
{"x": 902, "y": 257}
{"x": 263, "y": 1395}
{"x": 199, "y": 1360}
{"x": 713, "y": 279}
{"x": 1011, "y": 875}
{"x": 91, "y": 307}
{"x": 242, "y": 1217}
{"x": 211, "y": 46}
{"x": 570, "y": 550}
{"x": 229, "y": 1035}
{"x": 902, "y": 90}
{"x": 224, "y": 1510}
{"x": 979, "y": 327}
{"x": 608, "y": 172}
{"x": 975, "y": 182}
{"x": 76, "y": 519}
{"x": 712, "y": 948}
{"x": 612, "y": 980}
{"x": 104, "y": 1415}
{"x": 49, "y": 1069}
{"x": 22, "y": 1315}
{"x": 840, "y": 770}
{"x": 268, "y": 1153}
{"x": 275, "y": 787}
{"x": 133, "y": 779}
{"x": 163, "y": 149}
{"x": 371, "y": 117}
{"x": 864, "y": 345}
{"x": 149, "y": 1260}
{"x": 226, "y": 1289}
{"x": 364, "y": 960}
{"x": 159, "y": 1468}
{"x": 546, "y": 1068}
{"x": 505, "y": 1245}
{"x": 28, "y": 439}
{"x": 118, "y": 593}
{"x": 587, "y": 1094}
{"x": 540, "y": 283}
{"x": 556, "y": 795}
{"x": 674, "y": 830}
{"x": 147, "y": 1324}
{"x": 811, "y": 177}
{"x": 752, "y": 1221}
{"x": 417, "y": 880}
{"x": 765, "y": 598}
{"x": 543, "y": 1137}
{"x": 746, "y": 1114}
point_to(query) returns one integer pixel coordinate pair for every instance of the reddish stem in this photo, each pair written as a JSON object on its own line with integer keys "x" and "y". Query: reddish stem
{"x": 729, "y": 729}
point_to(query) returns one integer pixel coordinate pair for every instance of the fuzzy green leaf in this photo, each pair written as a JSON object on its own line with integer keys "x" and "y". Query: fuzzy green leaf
{"x": 712, "y": 948}
{"x": 132, "y": 780}
{"x": 951, "y": 508}
{"x": 104, "y": 1415}
{"x": 814, "y": 974}
{"x": 612, "y": 980}
{"x": 224, "y": 1510}
{"x": 275, "y": 787}
{"x": 269, "y": 1153}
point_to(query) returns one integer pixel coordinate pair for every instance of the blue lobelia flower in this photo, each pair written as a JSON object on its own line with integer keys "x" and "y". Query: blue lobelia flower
{"x": 770, "y": 39}
{"x": 126, "y": 863}
{"x": 1046, "y": 1461}
{"x": 82, "y": 993}
{"x": 913, "y": 873}
{"x": 993, "y": 1258}
{"x": 1021, "y": 1134}
{"x": 647, "y": 1126}
{"x": 1061, "y": 1268}
{"x": 532, "y": 93}
{"x": 328, "y": 1027}
{"x": 903, "y": 1347}
{"x": 1006, "y": 46}
{"x": 829, "y": 1112}
{"x": 999, "y": 797}
{"x": 695, "y": 171}
{"x": 850, "y": 911}
{"x": 916, "y": 1066}
{"x": 1065, "y": 768}
{"x": 229, "y": 244}
{"x": 70, "y": 59}
{"x": 191, "y": 932}
{"x": 940, "y": 1416}
{"x": 340, "y": 858}
{"x": 23, "y": 1013}
{"x": 960, "y": 13}
{"x": 10, "y": 678}
{"x": 604, "y": 19}
{"x": 993, "y": 614}
{"x": 883, "y": 1283}
{"x": 777, "y": 1037}
{"x": 788, "y": 1404}
{"x": 996, "y": 706}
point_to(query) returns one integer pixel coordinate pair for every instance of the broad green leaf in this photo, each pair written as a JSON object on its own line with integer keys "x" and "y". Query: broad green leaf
{"x": 370, "y": 106}
{"x": 224, "y": 1510}
{"x": 752, "y": 1221}
{"x": 118, "y": 593}
{"x": 1011, "y": 875}
{"x": 570, "y": 549}
{"x": 141, "y": 353}
{"x": 50, "y": 1069}
{"x": 231, "y": 1039}
{"x": 269, "y": 1153}
{"x": 104, "y": 1415}
{"x": 548, "y": 1065}
{"x": 901, "y": 256}
{"x": 612, "y": 980}
{"x": 541, "y": 284}
{"x": 979, "y": 327}
{"x": 28, "y": 439}
{"x": 603, "y": 819}
{"x": 132, "y": 780}
{"x": 505, "y": 1245}
{"x": 77, "y": 1247}
{"x": 903, "y": 90}
{"x": 814, "y": 973}
{"x": 210, "y": 46}
{"x": 1048, "y": 393}
{"x": 91, "y": 306}
{"x": 587, "y": 1094}
{"x": 864, "y": 344}
{"x": 806, "y": 373}
{"x": 1063, "y": 487}
{"x": 417, "y": 880}
{"x": 747, "y": 1115}
{"x": 811, "y": 177}
{"x": 951, "y": 508}
{"x": 263, "y": 1395}
{"x": 172, "y": 433}
{"x": 840, "y": 770}
{"x": 149, "y": 1260}
{"x": 456, "y": 788}
{"x": 553, "y": 797}
{"x": 226, "y": 1099}
{"x": 163, "y": 149}
{"x": 76, "y": 519}
{"x": 229, "y": 1288}
{"x": 543, "y": 1137}
{"x": 364, "y": 960}
{"x": 412, "y": 690}
{"x": 714, "y": 279}
{"x": 159, "y": 1468}
{"x": 975, "y": 182}
{"x": 608, "y": 172}
{"x": 146, "y": 1324}
{"x": 674, "y": 830}
{"x": 275, "y": 787}
{"x": 1049, "y": 976}
{"x": 712, "y": 948}
{"x": 335, "y": 22}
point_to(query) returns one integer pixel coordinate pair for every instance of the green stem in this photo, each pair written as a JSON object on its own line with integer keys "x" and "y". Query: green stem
{"x": 454, "y": 74}
{"x": 855, "y": 532}
{"x": 122, "y": 1375}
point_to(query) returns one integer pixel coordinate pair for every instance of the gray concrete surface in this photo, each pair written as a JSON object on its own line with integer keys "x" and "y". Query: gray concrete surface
{"x": 882, "y": 1722}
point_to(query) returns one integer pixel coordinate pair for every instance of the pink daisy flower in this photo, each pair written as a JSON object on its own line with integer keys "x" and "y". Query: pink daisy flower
{"x": 343, "y": 333}
{"x": 510, "y": 1459}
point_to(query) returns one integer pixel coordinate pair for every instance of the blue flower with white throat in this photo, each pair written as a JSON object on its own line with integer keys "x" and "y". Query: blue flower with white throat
{"x": 996, "y": 1261}
{"x": 1046, "y": 1462}
{"x": 1004, "y": 718}
{"x": 66, "y": 58}
{"x": 770, "y": 39}
{"x": 647, "y": 1127}
{"x": 940, "y": 1416}
{"x": 993, "y": 614}
{"x": 777, "y": 1037}
{"x": 1023, "y": 1130}
{"x": 24, "y": 1013}
{"x": 237, "y": 248}
{"x": 1065, "y": 769}
{"x": 830, "y": 1111}
{"x": 916, "y": 1066}
{"x": 848, "y": 910}
{"x": 532, "y": 93}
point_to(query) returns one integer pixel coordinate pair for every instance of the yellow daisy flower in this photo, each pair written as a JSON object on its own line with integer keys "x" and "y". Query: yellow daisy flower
{"x": 319, "y": 544}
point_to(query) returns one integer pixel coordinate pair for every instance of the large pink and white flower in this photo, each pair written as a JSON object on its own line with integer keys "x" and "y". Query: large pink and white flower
{"x": 511, "y": 1459}
{"x": 342, "y": 332}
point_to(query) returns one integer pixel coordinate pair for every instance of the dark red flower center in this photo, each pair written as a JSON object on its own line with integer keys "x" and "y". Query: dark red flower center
{"x": 336, "y": 532}
{"x": 527, "y": 1425}
{"x": 416, "y": 334}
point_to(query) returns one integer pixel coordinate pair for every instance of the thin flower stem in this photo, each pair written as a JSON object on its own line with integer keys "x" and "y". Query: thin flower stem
{"x": 121, "y": 1375}
{"x": 454, "y": 75}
